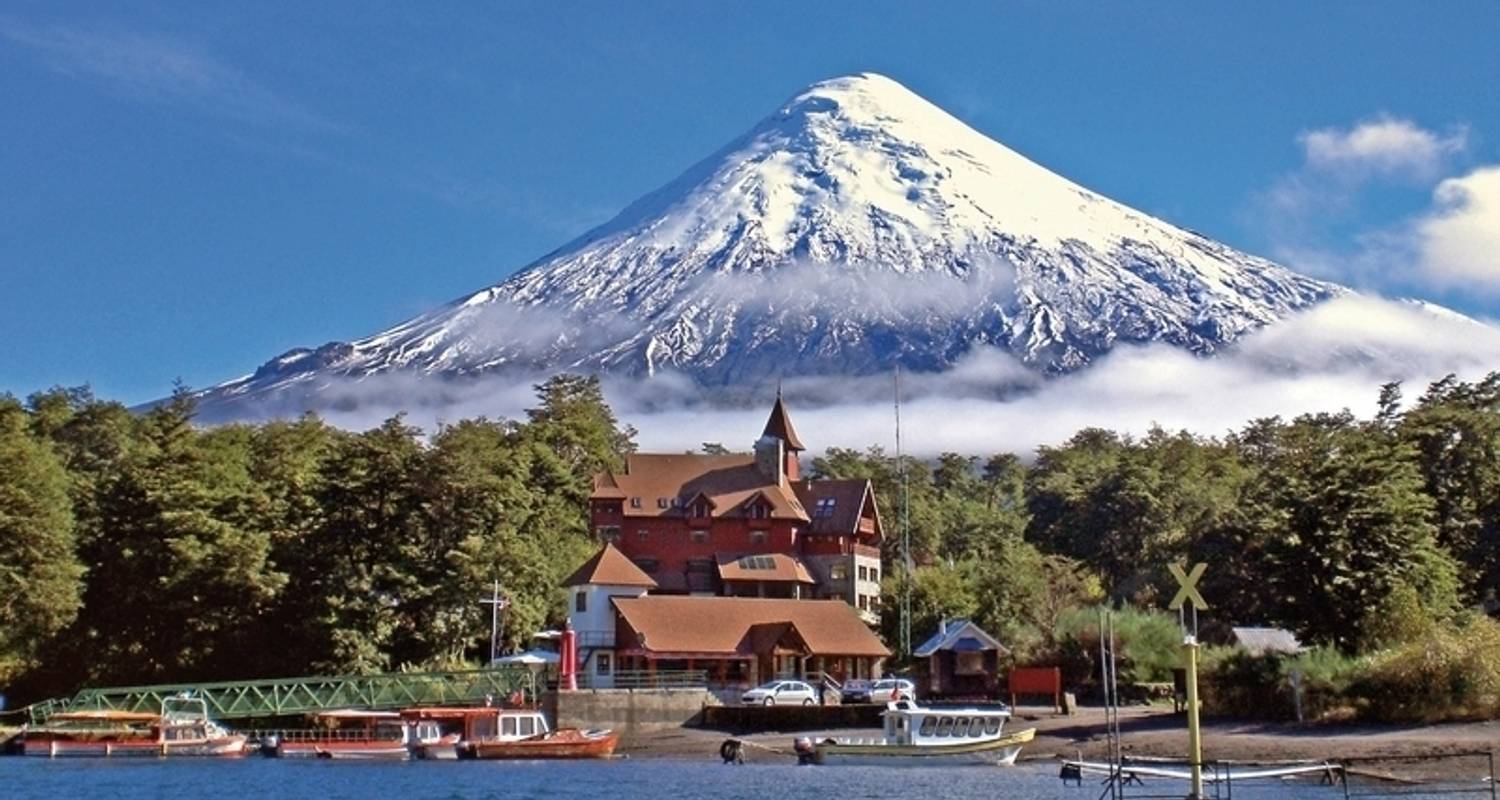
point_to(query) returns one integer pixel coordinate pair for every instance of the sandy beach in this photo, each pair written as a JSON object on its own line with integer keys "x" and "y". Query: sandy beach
{"x": 1158, "y": 733}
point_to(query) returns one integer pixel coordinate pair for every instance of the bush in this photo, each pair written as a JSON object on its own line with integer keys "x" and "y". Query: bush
{"x": 1451, "y": 673}
{"x": 1236, "y": 683}
{"x": 1149, "y": 646}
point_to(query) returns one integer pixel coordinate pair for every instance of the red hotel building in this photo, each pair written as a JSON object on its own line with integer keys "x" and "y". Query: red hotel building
{"x": 744, "y": 524}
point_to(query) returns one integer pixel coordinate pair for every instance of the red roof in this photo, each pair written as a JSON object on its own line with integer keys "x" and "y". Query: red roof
{"x": 664, "y": 484}
{"x": 720, "y": 625}
{"x": 780, "y": 426}
{"x": 609, "y": 567}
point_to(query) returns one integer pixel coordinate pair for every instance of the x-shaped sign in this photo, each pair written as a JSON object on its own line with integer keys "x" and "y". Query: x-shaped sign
{"x": 1188, "y": 584}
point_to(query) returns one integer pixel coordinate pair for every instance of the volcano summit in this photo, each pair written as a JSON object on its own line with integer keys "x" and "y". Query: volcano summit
{"x": 856, "y": 228}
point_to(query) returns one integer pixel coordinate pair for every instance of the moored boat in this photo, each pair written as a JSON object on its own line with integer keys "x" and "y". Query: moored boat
{"x": 525, "y": 734}
{"x": 442, "y": 733}
{"x": 182, "y": 728}
{"x": 348, "y": 734}
{"x": 914, "y": 735}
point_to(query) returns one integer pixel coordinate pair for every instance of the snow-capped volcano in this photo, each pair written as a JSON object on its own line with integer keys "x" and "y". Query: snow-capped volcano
{"x": 857, "y": 227}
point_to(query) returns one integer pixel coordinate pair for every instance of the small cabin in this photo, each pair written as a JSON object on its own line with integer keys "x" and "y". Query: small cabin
{"x": 960, "y": 660}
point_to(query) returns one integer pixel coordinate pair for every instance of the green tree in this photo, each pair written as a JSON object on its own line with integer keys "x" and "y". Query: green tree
{"x": 39, "y": 573}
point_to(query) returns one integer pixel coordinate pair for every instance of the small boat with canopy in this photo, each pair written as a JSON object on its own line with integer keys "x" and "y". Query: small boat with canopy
{"x": 918, "y": 735}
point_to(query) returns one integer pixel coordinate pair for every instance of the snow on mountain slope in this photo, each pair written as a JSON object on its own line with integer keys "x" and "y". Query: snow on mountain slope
{"x": 857, "y": 227}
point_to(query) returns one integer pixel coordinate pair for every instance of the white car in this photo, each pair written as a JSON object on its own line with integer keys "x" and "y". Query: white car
{"x": 887, "y": 689}
{"x": 781, "y": 693}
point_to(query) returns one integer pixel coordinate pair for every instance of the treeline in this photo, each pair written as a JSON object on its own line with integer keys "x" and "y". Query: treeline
{"x": 1356, "y": 534}
{"x": 140, "y": 548}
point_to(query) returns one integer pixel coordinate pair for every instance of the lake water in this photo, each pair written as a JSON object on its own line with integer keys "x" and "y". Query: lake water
{"x": 637, "y": 779}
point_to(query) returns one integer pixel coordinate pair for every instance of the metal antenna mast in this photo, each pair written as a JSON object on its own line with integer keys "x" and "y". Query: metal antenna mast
{"x": 905, "y": 530}
{"x": 497, "y": 603}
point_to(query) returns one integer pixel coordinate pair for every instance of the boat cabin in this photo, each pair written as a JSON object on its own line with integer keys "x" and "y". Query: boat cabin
{"x": 906, "y": 723}
{"x": 360, "y": 725}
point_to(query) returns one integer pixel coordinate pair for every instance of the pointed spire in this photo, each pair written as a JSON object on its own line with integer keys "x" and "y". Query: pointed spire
{"x": 780, "y": 424}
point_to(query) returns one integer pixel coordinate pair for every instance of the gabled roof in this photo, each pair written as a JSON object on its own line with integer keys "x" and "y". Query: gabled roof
{"x": 959, "y": 635}
{"x": 774, "y": 638}
{"x": 663, "y": 482}
{"x": 771, "y": 567}
{"x": 780, "y": 426}
{"x": 720, "y": 625}
{"x": 609, "y": 567}
{"x": 606, "y": 487}
{"x": 1264, "y": 641}
{"x": 847, "y": 496}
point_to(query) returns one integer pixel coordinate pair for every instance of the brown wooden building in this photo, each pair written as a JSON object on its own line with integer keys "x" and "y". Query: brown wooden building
{"x": 743, "y": 640}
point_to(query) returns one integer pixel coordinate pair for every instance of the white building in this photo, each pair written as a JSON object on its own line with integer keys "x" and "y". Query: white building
{"x": 609, "y": 574}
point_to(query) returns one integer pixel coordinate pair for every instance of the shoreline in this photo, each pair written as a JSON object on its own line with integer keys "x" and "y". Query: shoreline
{"x": 1419, "y": 752}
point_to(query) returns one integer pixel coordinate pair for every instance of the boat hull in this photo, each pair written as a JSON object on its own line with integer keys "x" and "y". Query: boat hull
{"x": 565, "y": 743}
{"x": 345, "y": 751}
{"x": 1000, "y": 752}
{"x": 48, "y": 747}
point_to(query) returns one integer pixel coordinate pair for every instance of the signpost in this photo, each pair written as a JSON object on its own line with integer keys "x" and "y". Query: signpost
{"x": 1187, "y": 595}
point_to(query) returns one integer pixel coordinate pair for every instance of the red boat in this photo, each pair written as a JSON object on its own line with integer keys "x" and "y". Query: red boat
{"x": 525, "y": 734}
{"x": 181, "y": 729}
{"x": 440, "y": 733}
{"x": 348, "y": 734}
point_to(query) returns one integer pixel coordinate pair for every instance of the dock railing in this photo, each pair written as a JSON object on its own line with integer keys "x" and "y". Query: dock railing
{"x": 647, "y": 679}
{"x": 290, "y": 696}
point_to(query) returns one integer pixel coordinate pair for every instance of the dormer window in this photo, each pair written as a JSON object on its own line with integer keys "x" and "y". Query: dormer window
{"x": 700, "y": 509}
{"x": 824, "y": 507}
{"x": 759, "y": 510}
{"x": 662, "y": 502}
{"x": 635, "y": 502}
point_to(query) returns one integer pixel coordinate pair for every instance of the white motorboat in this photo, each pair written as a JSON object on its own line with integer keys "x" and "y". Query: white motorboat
{"x": 915, "y": 735}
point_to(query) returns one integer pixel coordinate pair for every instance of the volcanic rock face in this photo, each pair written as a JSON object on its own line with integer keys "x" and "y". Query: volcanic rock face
{"x": 856, "y": 228}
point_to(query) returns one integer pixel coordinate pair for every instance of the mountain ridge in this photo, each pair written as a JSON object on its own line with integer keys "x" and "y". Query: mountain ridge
{"x": 856, "y": 228}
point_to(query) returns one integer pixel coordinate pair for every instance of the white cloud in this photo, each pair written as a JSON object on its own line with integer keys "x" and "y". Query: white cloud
{"x": 1331, "y": 357}
{"x": 1382, "y": 147}
{"x": 1459, "y": 240}
{"x": 157, "y": 68}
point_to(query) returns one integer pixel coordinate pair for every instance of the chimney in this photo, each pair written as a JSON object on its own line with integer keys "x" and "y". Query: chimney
{"x": 770, "y": 459}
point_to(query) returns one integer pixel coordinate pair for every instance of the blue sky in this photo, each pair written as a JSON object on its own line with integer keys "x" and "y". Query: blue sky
{"x": 189, "y": 189}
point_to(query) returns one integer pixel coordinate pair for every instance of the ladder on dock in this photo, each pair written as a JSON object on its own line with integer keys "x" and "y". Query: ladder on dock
{"x": 291, "y": 696}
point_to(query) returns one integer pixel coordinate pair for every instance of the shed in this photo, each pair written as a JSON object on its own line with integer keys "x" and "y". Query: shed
{"x": 960, "y": 660}
{"x": 1267, "y": 641}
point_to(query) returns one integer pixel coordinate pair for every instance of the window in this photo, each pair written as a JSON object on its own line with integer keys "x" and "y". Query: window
{"x": 609, "y": 533}
{"x": 700, "y": 508}
{"x": 929, "y": 725}
{"x": 527, "y": 727}
{"x": 508, "y": 726}
{"x": 864, "y": 602}
{"x": 992, "y": 726}
{"x": 647, "y": 565}
{"x": 635, "y": 502}
{"x": 700, "y": 535}
{"x": 945, "y": 726}
{"x": 968, "y": 663}
{"x": 580, "y": 602}
{"x": 757, "y": 537}
{"x": 961, "y": 726}
{"x": 838, "y": 572}
{"x": 758, "y": 510}
{"x": 661, "y": 502}
{"x": 643, "y": 534}
{"x": 864, "y": 572}
{"x": 875, "y": 574}
{"x": 601, "y": 663}
{"x": 824, "y": 507}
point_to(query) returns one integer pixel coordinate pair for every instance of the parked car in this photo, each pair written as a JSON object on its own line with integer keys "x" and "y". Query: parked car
{"x": 855, "y": 690}
{"x": 781, "y": 693}
{"x": 887, "y": 689}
